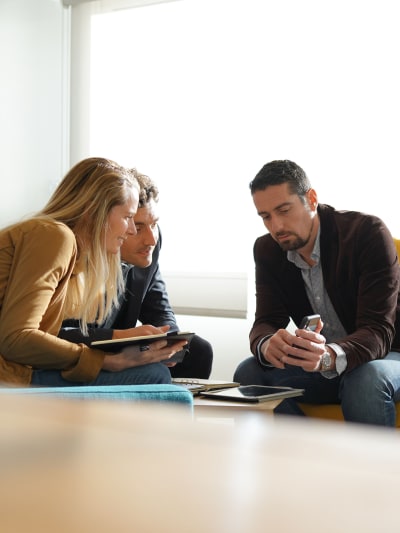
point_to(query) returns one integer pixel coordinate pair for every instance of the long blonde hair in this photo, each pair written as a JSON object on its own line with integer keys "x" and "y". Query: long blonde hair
{"x": 83, "y": 201}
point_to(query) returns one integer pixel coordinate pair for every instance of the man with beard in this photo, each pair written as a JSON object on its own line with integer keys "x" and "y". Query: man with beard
{"x": 341, "y": 265}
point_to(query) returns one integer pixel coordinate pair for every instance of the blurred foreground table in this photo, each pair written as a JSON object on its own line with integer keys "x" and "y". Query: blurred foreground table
{"x": 78, "y": 466}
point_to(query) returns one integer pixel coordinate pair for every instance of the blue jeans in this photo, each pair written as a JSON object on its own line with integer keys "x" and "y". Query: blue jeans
{"x": 367, "y": 394}
{"x": 317, "y": 389}
{"x": 138, "y": 375}
{"x": 370, "y": 392}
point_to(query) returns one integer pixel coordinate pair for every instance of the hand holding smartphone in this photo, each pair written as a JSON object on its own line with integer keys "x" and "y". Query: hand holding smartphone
{"x": 310, "y": 322}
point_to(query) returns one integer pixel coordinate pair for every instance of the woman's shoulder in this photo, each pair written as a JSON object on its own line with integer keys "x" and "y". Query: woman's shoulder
{"x": 42, "y": 229}
{"x": 43, "y": 225}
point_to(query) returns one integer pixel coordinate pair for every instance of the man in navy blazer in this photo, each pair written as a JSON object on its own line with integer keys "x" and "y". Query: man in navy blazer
{"x": 145, "y": 299}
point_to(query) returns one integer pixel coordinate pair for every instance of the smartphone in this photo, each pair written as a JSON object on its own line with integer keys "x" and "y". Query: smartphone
{"x": 309, "y": 322}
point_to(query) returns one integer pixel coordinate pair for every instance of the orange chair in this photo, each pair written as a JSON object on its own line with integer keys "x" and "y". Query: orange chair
{"x": 334, "y": 412}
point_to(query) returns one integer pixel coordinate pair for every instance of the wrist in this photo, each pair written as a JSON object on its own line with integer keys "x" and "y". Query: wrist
{"x": 260, "y": 355}
{"x": 328, "y": 360}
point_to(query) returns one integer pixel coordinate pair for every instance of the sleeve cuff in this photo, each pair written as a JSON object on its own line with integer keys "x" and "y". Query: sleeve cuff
{"x": 341, "y": 362}
{"x": 260, "y": 357}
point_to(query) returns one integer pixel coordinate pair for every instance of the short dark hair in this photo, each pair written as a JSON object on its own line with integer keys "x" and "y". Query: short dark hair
{"x": 281, "y": 171}
{"x": 148, "y": 189}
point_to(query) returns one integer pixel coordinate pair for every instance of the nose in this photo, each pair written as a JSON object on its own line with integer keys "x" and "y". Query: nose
{"x": 274, "y": 224}
{"x": 150, "y": 237}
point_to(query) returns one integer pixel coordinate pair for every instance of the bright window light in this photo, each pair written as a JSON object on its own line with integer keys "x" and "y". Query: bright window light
{"x": 199, "y": 94}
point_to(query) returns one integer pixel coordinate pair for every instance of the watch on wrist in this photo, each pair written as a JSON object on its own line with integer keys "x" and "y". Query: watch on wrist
{"x": 326, "y": 362}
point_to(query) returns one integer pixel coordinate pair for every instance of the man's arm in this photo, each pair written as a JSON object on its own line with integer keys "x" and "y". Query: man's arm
{"x": 280, "y": 293}
{"x": 71, "y": 331}
{"x": 364, "y": 289}
{"x": 155, "y": 308}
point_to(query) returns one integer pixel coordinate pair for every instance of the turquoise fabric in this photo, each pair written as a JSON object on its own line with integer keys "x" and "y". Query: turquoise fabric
{"x": 136, "y": 393}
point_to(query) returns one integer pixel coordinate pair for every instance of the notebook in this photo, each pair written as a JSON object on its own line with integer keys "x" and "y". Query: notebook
{"x": 198, "y": 385}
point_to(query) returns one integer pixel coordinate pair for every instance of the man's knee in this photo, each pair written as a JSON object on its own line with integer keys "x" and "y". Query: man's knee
{"x": 363, "y": 377}
{"x": 197, "y": 362}
{"x": 249, "y": 372}
{"x": 200, "y": 347}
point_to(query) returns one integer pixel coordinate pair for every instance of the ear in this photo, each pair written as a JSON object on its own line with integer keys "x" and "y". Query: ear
{"x": 312, "y": 199}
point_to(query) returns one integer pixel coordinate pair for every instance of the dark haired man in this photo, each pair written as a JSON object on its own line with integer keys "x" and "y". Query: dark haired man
{"x": 145, "y": 299}
{"x": 341, "y": 265}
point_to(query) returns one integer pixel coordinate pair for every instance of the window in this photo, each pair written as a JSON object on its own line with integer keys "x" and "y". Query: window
{"x": 199, "y": 94}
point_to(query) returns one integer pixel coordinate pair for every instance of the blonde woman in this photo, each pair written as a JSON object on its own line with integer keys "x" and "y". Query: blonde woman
{"x": 64, "y": 263}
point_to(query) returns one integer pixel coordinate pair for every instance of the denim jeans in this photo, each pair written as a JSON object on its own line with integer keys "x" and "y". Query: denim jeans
{"x": 317, "y": 389}
{"x": 138, "y": 375}
{"x": 367, "y": 394}
{"x": 370, "y": 392}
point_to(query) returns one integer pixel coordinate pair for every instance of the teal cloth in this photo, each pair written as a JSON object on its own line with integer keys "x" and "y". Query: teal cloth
{"x": 136, "y": 393}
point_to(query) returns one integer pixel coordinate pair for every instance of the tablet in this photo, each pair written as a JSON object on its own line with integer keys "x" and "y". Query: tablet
{"x": 116, "y": 345}
{"x": 253, "y": 393}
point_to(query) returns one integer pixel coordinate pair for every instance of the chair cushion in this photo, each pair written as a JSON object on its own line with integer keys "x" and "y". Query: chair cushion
{"x": 333, "y": 412}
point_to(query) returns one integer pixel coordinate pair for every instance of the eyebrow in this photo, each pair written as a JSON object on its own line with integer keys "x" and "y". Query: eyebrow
{"x": 139, "y": 223}
{"x": 283, "y": 204}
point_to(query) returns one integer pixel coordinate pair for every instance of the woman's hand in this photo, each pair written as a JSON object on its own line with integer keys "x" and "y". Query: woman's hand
{"x": 131, "y": 356}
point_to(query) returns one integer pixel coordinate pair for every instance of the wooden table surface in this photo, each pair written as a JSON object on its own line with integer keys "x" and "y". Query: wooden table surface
{"x": 82, "y": 466}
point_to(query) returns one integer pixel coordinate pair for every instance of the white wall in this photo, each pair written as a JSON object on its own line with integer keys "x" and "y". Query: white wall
{"x": 34, "y": 103}
{"x": 228, "y": 336}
